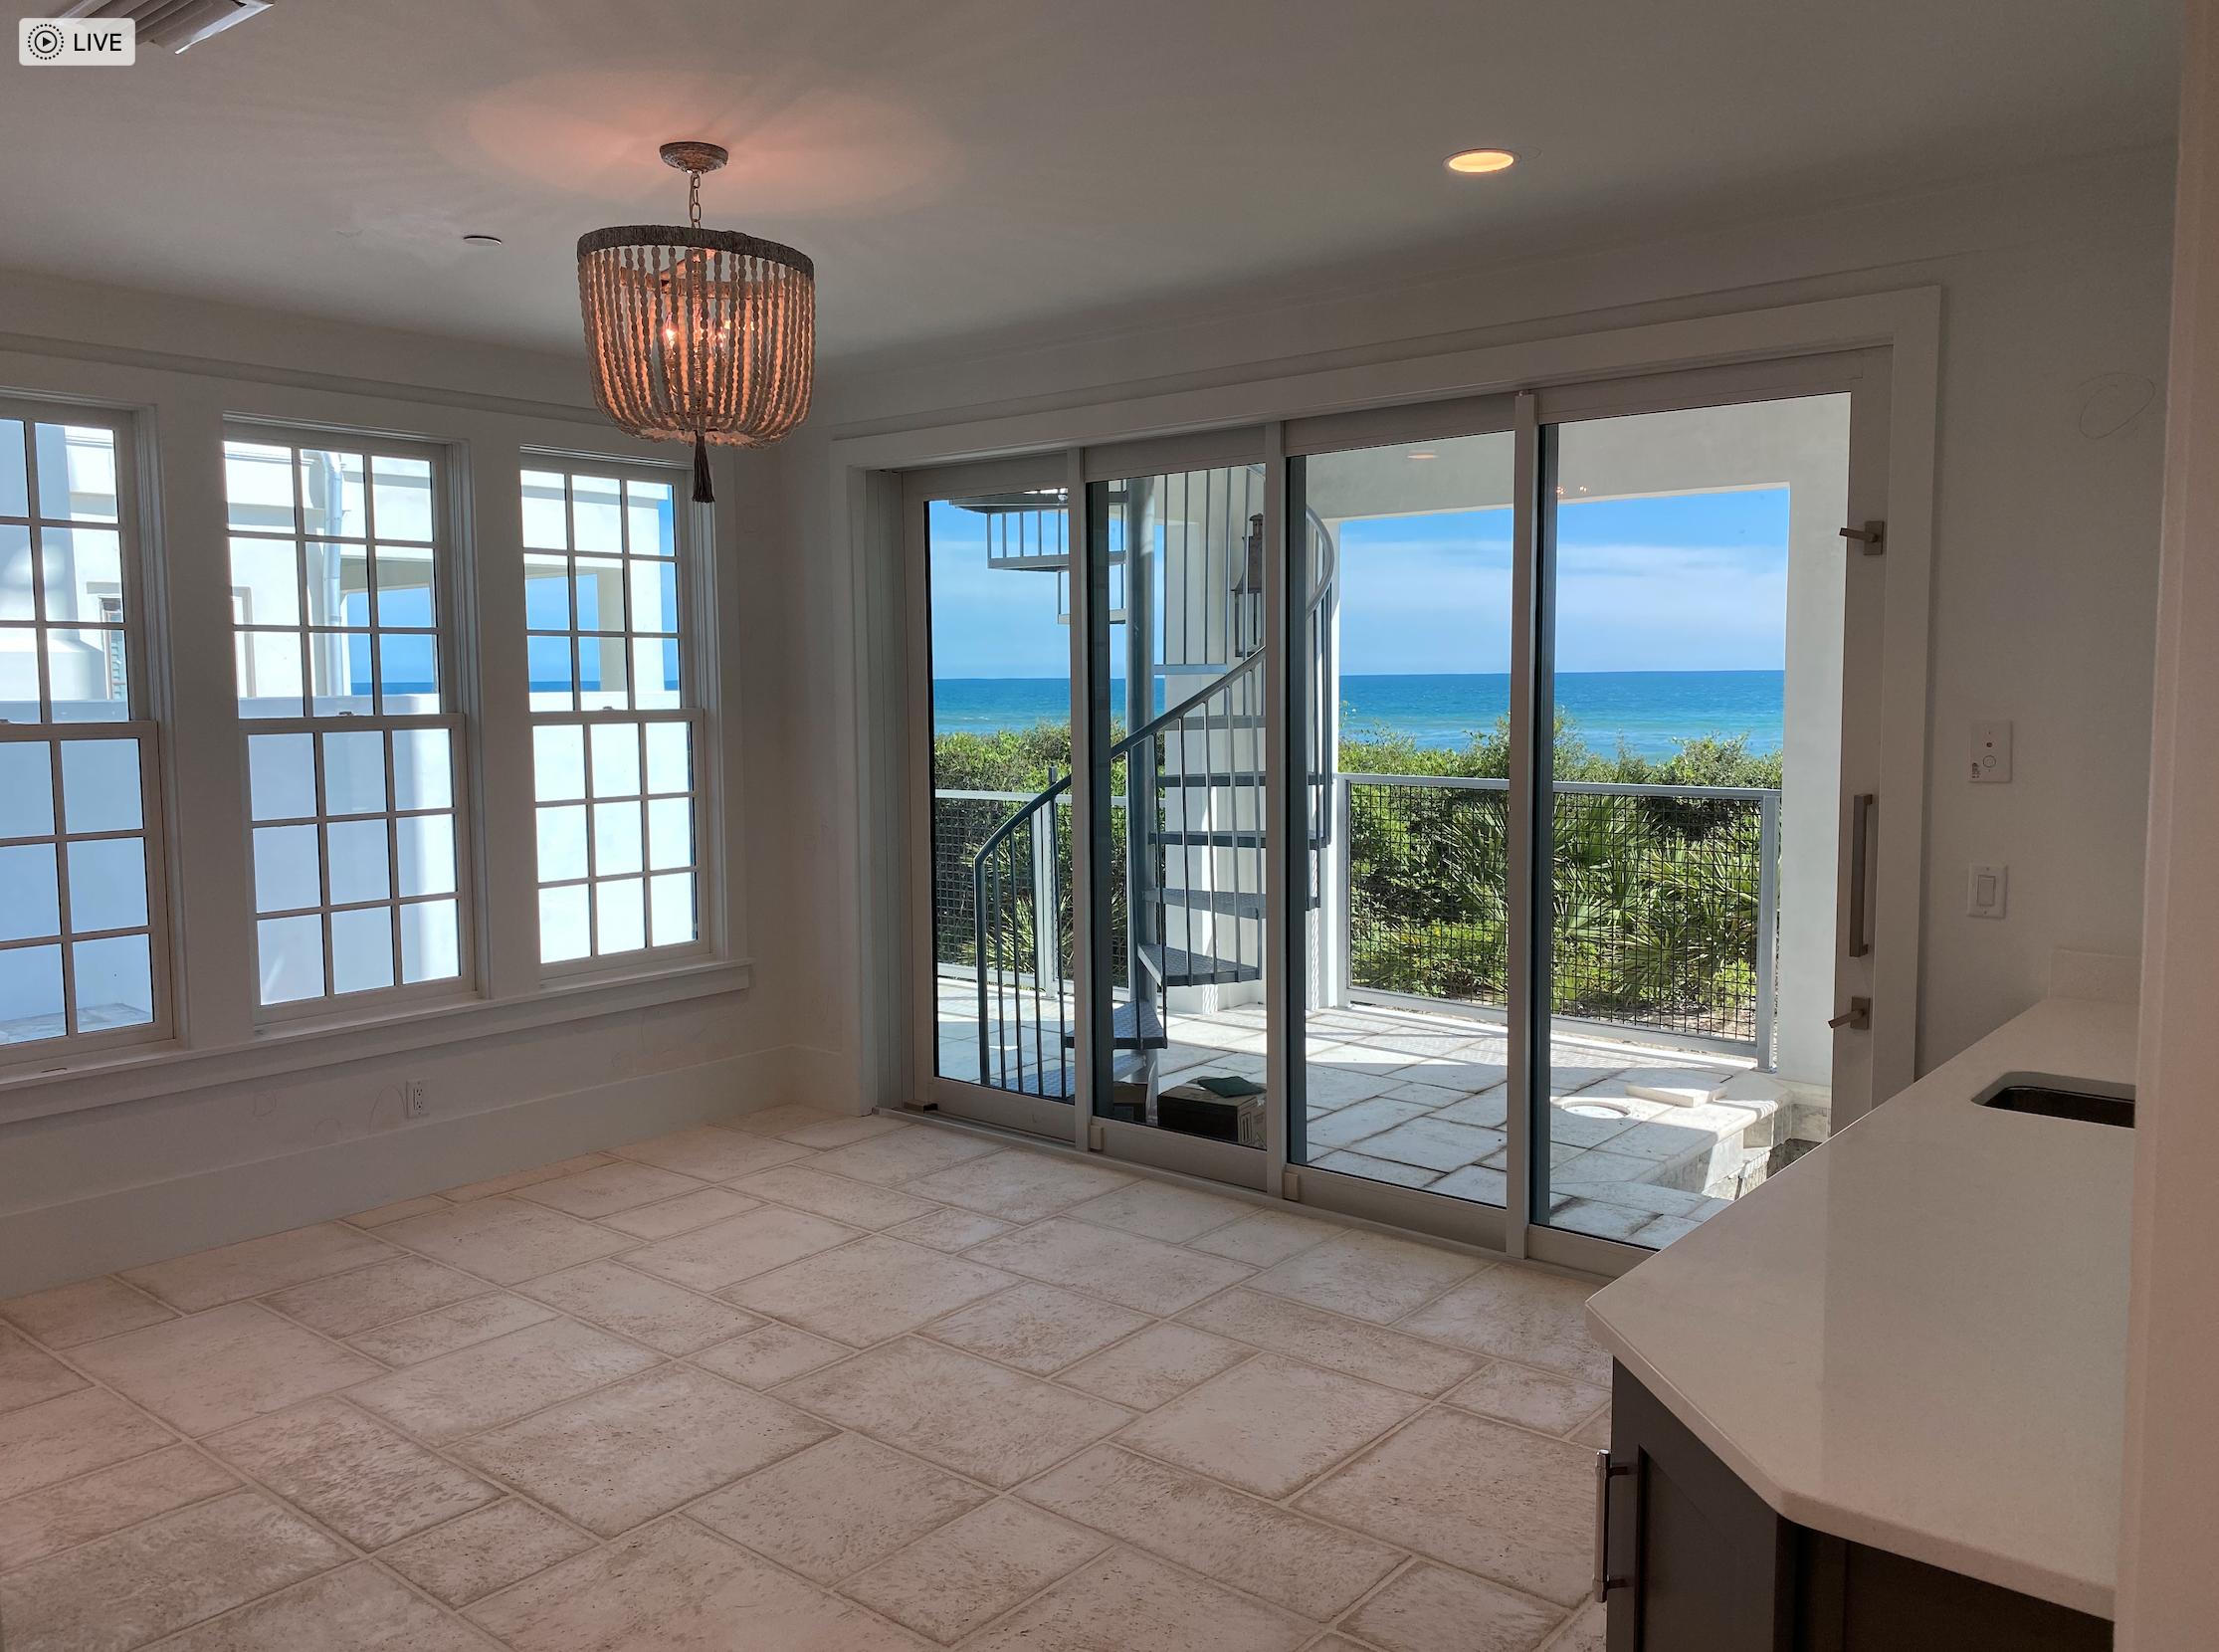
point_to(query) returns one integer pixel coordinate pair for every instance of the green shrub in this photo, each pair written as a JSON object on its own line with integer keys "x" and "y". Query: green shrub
{"x": 1654, "y": 900}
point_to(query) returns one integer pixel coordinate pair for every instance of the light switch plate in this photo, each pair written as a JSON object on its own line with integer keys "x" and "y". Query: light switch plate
{"x": 1991, "y": 753}
{"x": 1987, "y": 891}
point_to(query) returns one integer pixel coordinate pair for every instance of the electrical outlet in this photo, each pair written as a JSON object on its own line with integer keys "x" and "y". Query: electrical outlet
{"x": 1991, "y": 753}
{"x": 1986, "y": 891}
{"x": 414, "y": 1103}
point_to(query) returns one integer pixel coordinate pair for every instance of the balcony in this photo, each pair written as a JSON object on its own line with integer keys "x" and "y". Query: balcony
{"x": 1661, "y": 1105}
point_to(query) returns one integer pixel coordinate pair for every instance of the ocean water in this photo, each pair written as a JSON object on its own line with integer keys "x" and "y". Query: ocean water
{"x": 1650, "y": 710}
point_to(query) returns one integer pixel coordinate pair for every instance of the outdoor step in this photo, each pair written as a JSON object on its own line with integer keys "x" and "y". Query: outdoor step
{"x": 1134, "y": 1026}
{"x": 1196, "y": 838}
{"x": 1043, "y": 560}
{"x": 1192, "y": 722}
{"x": 1255, "y": 777}
{"x": 1176, "y": 967}
{"x": 1225, "y": 902}
{"x": 1231, "y": 903}
{"x": 1059, "y": 1082}
{"x": 1182, "y": 837}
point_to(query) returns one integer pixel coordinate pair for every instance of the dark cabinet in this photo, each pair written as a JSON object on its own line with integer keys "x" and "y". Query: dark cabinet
{"x": 1694, "y": 1561}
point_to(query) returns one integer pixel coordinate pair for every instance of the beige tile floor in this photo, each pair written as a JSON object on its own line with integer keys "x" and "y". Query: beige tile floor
{"x": 803, "y": 1383}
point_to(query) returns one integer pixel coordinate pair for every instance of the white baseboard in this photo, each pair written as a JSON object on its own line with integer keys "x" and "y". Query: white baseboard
{"x": 130, "y": 1227}
{"x": 822, "y": 1078}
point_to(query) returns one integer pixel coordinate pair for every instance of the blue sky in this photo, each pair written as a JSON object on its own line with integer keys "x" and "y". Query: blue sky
{"x": 1683, "y": 582}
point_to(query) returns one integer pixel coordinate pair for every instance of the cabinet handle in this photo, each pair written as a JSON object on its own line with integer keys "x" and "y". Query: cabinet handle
{"x": 1605, "y": 1472}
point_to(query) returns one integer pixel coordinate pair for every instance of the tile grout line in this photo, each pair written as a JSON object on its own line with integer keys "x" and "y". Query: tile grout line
{"x": 248, "y": 1480}
{"x": 1150, "y": 1320}
{"x": 1112, "y": 1441}
{"x": 344, "y": 1397}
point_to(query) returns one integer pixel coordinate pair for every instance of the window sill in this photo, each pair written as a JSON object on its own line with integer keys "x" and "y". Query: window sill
{"x": 103, "y": 1079}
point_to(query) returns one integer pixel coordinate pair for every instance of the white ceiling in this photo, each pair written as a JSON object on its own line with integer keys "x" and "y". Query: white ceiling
{"x": 959, "y": 167}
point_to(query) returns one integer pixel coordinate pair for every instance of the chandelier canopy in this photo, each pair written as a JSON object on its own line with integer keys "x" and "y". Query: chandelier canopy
{"x": 697, "y": 334}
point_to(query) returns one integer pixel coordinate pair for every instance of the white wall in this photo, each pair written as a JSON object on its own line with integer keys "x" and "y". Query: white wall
{"x": 2054, "y": 319}
{"x": 2170, "y": 1508}
{"x": 220, "y": 1146}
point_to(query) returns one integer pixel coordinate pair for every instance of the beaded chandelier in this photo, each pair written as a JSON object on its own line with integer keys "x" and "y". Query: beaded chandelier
{"x": 697, "y": 334}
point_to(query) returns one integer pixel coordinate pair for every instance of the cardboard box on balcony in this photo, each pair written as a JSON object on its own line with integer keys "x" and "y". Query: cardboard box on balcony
{"x": 1223, "y": 1110}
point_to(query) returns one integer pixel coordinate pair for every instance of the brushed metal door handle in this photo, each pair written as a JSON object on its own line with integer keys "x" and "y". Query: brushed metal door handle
{"x": 1857, "y": 1017}
{"x": 1861, "y": 810}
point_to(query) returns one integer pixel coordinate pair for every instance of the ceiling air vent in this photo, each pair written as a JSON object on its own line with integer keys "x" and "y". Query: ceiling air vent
{"x": 175, "y": 24}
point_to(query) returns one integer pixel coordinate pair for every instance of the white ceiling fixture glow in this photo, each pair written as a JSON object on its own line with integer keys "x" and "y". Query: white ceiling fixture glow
{"x": 1473, "y": 163}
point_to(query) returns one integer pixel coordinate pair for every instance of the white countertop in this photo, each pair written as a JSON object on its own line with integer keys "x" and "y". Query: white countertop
{"x": 1915, "y": 1336}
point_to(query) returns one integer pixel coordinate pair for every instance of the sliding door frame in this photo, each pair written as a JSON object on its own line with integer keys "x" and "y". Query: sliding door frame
{"x": 930, "y": 1087}
{"x": 1538, "y": 381}
{"x": 1533, "y": 420}
{"x": 1227, "y": 448}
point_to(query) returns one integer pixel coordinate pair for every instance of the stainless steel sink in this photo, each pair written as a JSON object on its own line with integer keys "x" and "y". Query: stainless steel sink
{"x": 2050, "y": 1099}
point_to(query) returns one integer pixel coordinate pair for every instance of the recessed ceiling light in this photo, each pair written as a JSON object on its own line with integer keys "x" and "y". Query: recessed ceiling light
{"x": 1425, "y": 456}
{"x": 482, "y": 240}
{"x": 1482, "y": 160}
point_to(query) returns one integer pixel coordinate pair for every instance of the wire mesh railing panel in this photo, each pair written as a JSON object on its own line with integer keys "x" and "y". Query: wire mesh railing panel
{"x": 1655, "y": 912}
{"x": 1656, "y": 899}
{"x": 962, "y": 821}
{"x": 1428, "y": 872}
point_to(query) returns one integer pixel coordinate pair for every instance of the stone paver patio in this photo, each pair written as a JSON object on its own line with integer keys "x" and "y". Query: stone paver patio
{"x": 1646, "y": 1142}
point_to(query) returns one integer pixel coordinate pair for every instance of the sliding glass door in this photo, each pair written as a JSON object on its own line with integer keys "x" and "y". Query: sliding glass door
{"x": 991, "y": 564}
{"x": 1437, "y": 815}
{"x": 1403, "y": 630}
{"x": 1566, "y": 718}
{"x": 1693, "y": 578}
{"x": 1177, "y": 663}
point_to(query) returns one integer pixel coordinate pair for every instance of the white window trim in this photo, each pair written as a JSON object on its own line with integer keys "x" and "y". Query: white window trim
{"x": 455, "y": 644}
{"x": 143, "y": 726}
{"x": 694, "y": 543}
{"x": 178, "y": 408}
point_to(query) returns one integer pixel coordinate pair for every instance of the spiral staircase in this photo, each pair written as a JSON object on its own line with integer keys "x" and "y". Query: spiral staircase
{"x": 1185, "y": 564}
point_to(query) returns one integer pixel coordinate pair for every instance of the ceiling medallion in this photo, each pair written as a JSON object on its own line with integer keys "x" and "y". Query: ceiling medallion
{"x": 697, "y": 334}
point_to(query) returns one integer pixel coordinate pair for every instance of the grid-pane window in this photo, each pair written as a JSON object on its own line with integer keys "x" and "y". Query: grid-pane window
{"x": 80, "y": 910}
{"x": 339, "y": 599}
{"x": 617, "y": 726}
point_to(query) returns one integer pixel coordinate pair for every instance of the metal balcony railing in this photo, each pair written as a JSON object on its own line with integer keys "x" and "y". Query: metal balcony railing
{"x": 1663, "y": 899}
{"x": 1664, "y": 905}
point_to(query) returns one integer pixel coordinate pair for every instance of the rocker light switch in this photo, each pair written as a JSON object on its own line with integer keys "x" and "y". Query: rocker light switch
{"x": 1991, "y": 753}
{"x": 1986, "y": 891}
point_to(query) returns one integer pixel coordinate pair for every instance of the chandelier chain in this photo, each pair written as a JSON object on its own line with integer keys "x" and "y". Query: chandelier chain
{"x": 693, "y": 198}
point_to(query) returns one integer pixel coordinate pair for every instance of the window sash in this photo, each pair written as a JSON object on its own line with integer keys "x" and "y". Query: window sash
{"x": 123, "y": 637}
{"x": 309, "y": 625}
{"x": 694, "y": 711}
{"x": 699, "y": 864}
{"x": 443, "y": 582}
{"x": 322, "y": 818}
{"x": 126, "y": 633}
{"x": 162, "y": 1025}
